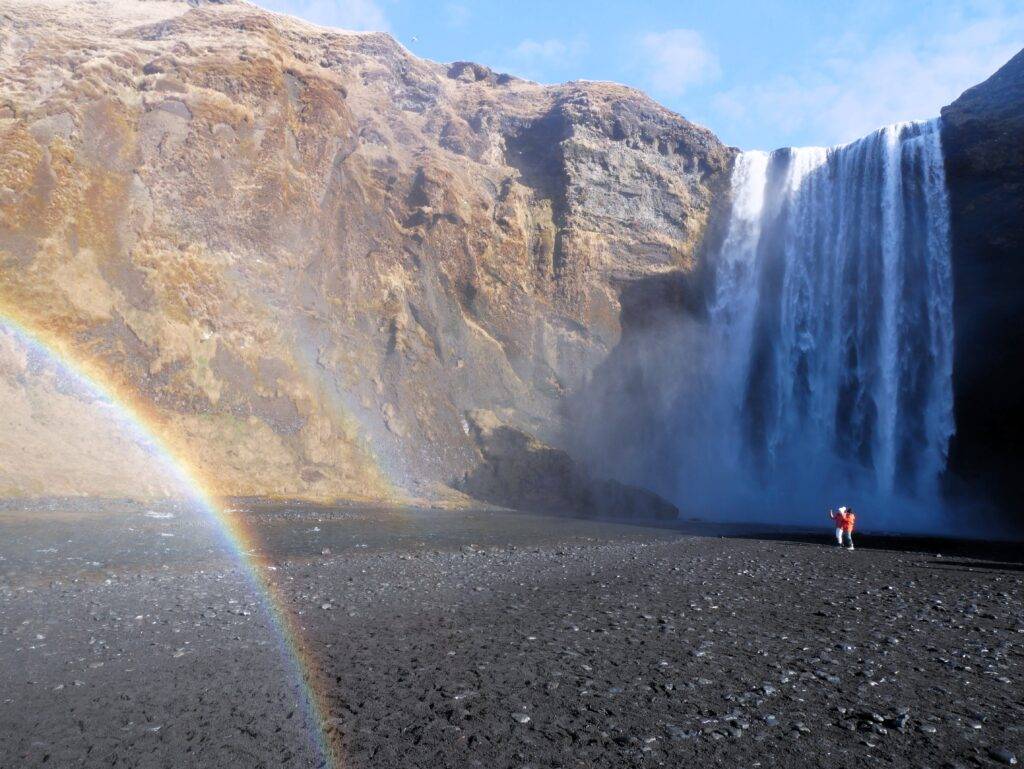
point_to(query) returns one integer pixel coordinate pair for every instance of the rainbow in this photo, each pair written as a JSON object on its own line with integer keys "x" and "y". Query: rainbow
{"x": 145, "y": 426}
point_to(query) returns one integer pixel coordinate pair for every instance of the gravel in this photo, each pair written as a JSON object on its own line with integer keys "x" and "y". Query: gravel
{"x": 588, "y": 645}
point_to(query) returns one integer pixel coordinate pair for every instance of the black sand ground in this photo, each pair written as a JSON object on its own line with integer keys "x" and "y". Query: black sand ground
{"x": 500, "y": 640}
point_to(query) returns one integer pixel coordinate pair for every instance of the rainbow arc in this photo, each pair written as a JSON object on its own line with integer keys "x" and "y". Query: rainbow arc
{"x": 148, "y": 430}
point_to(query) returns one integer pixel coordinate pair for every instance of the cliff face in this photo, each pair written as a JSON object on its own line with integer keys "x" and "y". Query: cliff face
{"x": 307, "y": 254}
{"x": 983, "y": 142}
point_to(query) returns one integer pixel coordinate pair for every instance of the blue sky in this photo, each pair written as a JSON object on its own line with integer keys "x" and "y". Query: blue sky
{"x": 760, "y": 74}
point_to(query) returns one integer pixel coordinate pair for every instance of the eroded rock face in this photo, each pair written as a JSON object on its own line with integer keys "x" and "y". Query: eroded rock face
{"x": 983, "y": 142}
{"x": 306, "y": 254}
{"x": 518, "y": 471}
{"x": 68, "y": 431}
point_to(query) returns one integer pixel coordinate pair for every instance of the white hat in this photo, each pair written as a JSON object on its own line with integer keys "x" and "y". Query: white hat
{"x": 842, "y": 509}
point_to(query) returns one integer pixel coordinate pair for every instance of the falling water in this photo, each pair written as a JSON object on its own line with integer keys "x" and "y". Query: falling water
{"x": 832, "y": 312}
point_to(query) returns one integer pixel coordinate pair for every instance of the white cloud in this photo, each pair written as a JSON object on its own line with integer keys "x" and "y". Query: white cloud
{"x": 857, "y": 85}
{"x": 552, "y": 49}
{"x": 358, "y": 15}
{"x": 538, "y": 59}
{"x": 677, "y": 59}
{"x": 456, "y": 14}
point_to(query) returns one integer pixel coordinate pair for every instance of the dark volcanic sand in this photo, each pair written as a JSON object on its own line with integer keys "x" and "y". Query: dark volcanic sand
{"x": 499, "y": 640}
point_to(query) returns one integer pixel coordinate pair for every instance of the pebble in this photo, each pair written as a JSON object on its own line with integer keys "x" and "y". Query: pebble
{"x": 545, "y": 624}
{"x": 1003, "y": 756}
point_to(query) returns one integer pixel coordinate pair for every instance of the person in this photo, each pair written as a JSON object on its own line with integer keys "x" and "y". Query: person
{"x": 837, "y": 519}
{"x": 844, "y": 521}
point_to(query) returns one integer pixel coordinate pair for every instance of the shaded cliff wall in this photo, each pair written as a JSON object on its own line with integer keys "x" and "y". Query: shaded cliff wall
{"x": 983, "y": 143}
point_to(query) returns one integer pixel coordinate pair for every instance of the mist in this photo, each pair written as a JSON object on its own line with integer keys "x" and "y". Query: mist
{"x": 810, "y": 364}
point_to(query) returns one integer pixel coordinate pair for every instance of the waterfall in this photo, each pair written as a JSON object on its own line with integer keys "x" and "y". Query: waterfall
{"x": 832, "y": 315}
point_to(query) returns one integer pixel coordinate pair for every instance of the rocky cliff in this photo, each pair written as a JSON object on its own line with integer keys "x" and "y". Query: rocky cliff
{"x": 306, "y": 255}
{"x": 983, "y": 143}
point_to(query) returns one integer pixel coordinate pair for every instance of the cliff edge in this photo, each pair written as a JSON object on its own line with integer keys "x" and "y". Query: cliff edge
{"x": 305, "y": 255}
{"x": 983, "y": 143}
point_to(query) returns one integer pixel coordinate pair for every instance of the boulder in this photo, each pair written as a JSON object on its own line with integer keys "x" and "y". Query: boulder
{"x": 518, "y": 471}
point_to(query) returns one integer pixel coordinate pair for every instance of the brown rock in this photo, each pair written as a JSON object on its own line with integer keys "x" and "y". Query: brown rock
{"x": 305, "y": 253}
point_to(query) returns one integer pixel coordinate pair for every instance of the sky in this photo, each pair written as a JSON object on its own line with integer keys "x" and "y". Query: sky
{"x": 761, "y": 75}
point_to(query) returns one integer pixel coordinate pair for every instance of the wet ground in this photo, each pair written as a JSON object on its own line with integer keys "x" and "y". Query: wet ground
{"x": 131, "y": 636}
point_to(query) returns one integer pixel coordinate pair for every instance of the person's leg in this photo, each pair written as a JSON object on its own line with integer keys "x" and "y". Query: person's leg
{"x": 839, "y": 536}
{"x": 848, "y": 539}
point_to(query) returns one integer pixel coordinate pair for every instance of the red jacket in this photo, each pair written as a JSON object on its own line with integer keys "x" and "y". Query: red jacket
{"x": 845, "y": 520}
